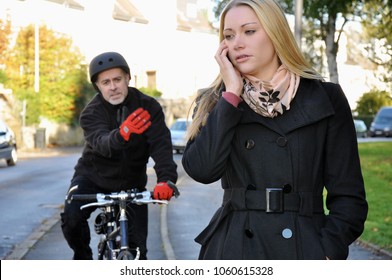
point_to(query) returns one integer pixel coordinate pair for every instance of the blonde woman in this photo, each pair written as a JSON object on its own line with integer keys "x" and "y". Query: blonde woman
{"x": 276, "y": 135}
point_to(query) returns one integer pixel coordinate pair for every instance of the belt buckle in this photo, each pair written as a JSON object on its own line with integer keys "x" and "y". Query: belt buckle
{"x": 274, "y": 200}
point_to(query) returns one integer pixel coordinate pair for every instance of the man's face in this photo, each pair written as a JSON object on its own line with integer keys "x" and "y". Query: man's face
{"x": 113, "y": 84}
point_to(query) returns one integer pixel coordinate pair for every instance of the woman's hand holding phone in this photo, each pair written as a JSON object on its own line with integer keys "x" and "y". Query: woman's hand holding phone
{"x": 231, "y": 76}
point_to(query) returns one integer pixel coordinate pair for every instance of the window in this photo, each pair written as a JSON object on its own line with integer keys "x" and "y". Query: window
{"x": 151, "y": 79}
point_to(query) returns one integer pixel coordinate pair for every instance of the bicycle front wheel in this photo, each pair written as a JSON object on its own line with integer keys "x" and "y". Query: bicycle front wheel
{"x": 125, "y": 255}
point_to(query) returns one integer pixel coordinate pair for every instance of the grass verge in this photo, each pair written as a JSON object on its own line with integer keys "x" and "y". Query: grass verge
{"x": 376, "y": 162}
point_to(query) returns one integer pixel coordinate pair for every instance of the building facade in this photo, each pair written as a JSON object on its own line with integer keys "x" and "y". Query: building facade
{"x": 169, "y": 44}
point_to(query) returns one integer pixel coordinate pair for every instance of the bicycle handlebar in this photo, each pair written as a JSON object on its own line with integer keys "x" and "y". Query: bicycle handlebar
{"x": 84, "y": 197}
{"x": 101, "y": 199}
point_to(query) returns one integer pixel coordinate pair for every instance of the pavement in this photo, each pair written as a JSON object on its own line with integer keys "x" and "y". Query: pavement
{"x": 172, "y": 228}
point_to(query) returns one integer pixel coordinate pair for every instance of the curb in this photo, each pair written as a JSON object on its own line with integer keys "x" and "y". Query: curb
{"x": 24, "y": 247}
{"x": 376, "y": 249}
{"x": 167, "y": 247}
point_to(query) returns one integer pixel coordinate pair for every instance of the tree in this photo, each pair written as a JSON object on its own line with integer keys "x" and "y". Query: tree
{"x": 369, "y": 103}
{"x": 321, "y": 16}
{"x": 63, "y": 76}
{"x": 324, "y": 14}
{"x": 219, "y": 6}
{"x": 5, "y": 31}
{"x": 377, "y": 24}
{"x": 151, "y": 92}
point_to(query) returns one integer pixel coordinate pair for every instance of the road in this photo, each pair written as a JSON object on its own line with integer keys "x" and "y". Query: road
{"x": 374, "y": 139}
{"x": 33, "y": 191}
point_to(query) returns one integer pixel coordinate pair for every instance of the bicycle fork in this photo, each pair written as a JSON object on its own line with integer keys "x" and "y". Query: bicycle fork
{"x": 125, "y": 252}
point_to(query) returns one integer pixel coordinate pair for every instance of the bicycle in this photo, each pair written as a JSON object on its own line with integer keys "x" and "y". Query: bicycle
{"x": 112, "y": 222}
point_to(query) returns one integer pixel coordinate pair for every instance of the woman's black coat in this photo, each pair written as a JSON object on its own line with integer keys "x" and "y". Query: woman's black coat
{"x": 290, "y": 159}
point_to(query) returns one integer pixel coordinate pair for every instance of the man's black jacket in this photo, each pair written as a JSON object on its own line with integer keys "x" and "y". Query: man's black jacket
{"x": 111, "y": 162}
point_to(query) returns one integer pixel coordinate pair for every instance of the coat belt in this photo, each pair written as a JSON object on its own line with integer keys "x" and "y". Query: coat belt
{"x": 241, "y": 199}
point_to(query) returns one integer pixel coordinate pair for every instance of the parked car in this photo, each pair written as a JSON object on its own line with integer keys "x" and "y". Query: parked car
{"x": 178, "y": 134}
{"x": 360, "y": 128}
{"x": 7, "y": 144}
{"x": 382, "y": 123}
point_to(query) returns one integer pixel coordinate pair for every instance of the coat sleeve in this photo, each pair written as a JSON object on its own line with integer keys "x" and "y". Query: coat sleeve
{"x": 343, "y": 179}
{"x": 98, "y": 131}
{"x": 205, "y": 157}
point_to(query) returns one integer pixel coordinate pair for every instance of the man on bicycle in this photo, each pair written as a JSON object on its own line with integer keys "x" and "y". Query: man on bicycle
{"x": 122, "y": 128}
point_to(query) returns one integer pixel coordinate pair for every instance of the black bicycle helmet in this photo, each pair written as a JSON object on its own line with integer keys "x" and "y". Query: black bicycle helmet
{"x": 106, "y": 61}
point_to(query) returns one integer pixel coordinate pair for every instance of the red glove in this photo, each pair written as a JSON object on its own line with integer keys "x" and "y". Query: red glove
{"x": 137, "y": 123}
{"x": 163, "y": 191}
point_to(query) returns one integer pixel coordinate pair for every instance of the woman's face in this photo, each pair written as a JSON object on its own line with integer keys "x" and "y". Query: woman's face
{"x": 113, "y": 84}
{"x": 250, "y": 49}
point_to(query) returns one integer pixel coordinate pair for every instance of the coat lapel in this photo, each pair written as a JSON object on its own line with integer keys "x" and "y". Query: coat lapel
{"x": 311, "y": 104}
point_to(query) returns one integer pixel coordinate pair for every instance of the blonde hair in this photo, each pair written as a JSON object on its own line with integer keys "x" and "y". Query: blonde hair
{"x": 274, "y": 22}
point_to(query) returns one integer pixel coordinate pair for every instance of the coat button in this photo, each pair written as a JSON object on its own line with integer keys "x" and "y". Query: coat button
{"x": 281, "y": 141}
{"x": 287, "y": 233}
{"x": 249, "y": 144}
{"x": 249, "y": 233}
{"x": 287, "y": 188}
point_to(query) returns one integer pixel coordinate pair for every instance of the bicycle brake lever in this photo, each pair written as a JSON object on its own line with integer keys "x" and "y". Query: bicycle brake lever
{"x": 173, "y": 186}
{"x": 148, "y": 200}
